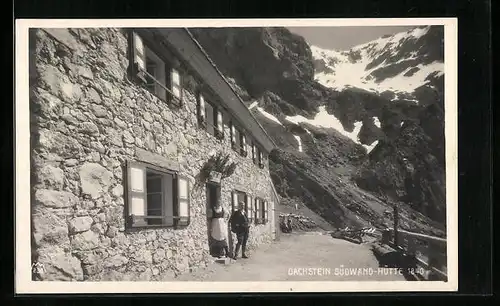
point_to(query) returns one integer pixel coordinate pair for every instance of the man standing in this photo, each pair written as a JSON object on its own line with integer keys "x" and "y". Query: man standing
{"x": 240, "y": 226}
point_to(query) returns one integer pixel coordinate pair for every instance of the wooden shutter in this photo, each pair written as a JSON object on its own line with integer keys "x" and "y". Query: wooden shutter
{"x": 139, "y": 52}
{"x": 249, "y": 147}
{"x": 209, "y": 115}
{"x": 249, "y": 208}
{"x": 261, "y": 159}
{"x": 201, "y": 109}
{"x": 265, "y": 212}
{"x": 136, "y": 188}
{"x": 219, "y": 122}
{"x": 234, "y": 201}
{"x": 176, "y": 83}
{"x": 243, "y": 143}
{"x": 237, "y": 137}
{"x": 183, "y": 203}
{"x": 233, "y": 135}
{"x": 151, "y": 68}
{"x": 257, "y": 211}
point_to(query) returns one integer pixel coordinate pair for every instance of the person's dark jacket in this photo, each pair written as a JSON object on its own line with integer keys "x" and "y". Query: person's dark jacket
{"x": 239, "y": 222}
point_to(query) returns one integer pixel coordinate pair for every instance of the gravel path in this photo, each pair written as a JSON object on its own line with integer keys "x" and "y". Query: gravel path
{"x": 301, "y": 257}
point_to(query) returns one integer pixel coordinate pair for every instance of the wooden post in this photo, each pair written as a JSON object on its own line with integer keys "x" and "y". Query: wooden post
{"x": 386, "y": 236}
{"x": 396, "y": 224}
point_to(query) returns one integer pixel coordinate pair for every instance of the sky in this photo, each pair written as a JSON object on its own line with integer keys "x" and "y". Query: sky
{"x": 344, "y": 38}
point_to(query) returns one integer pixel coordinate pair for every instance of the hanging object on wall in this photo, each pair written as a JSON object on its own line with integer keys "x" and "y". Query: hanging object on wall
{"x": 217, "y": 167}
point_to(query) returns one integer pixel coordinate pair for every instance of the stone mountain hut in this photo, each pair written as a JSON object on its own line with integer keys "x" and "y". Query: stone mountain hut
{"x": 123, "y": 125}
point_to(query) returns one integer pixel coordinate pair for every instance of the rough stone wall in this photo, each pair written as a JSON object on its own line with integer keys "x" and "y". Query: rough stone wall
{"x": 87, "y": 119}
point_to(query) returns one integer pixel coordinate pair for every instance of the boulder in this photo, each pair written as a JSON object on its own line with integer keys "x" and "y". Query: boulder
{"x": 80, "y": 224}
{"x": 115, "y": 261}
{"x": 55, "y": 198}
{"x": 51, "y": 177}
{"x": 60, "y": 266}
{"x": 144, "y": 255}
{"x": 85, "y": 241}
{"x": 49, "y": 229}
{"x": 89, "y": 128}
{"x": 95, "y": 179}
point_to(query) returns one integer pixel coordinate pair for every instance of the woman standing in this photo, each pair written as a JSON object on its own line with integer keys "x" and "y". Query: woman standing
{"x": 219, "y": 232}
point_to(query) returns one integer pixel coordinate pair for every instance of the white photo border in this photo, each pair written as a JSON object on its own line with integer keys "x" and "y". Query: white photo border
{"x": 25, "y": 285}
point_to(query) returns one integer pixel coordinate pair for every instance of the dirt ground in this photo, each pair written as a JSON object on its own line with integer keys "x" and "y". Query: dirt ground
{"x": 312, "y": 256}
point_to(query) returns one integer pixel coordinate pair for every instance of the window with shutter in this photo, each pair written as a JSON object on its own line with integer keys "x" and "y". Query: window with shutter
{"x": 243, "y": 144}
{"x": 201, "y": 110}
{"x": 254, "y": 153}
{"x": 234, "y": 201}
{"x": 249, "y": 208}
{"x": 220, "y": 125}
{"x": 233, "y": 136}
{"x": 258, "y": 214}
{"x": 209, "y": 115}
{"x": 183, "y": 207}
{"x": 156, "y": 197}
{"x": 264, "y": 212}
{"x": 139, "y": 58}
{"x": 176, "y": 83}
{"x": 153, "y": 71}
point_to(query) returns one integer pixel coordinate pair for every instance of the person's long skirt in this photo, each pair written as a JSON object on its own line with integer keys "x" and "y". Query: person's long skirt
{"x": 219, "y": 235}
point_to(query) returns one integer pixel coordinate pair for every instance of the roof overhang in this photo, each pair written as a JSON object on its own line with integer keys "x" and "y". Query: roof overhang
{"x": 191, "y": 52}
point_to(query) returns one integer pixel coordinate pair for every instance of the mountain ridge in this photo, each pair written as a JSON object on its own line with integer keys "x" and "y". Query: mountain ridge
{"x": 336, "y": 145}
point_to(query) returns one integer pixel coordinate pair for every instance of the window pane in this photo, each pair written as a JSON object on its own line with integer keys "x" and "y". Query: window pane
{"x": 153, "y": 183}
{"x": 154, "y": 204}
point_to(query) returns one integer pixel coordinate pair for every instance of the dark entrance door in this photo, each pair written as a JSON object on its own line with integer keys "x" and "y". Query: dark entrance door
{"x": 213, "y": 196}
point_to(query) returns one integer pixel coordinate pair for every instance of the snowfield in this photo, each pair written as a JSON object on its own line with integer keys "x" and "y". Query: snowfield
{"x": 326, "y": 120}
{"x": 349, "y": 72}
{"x": 299, "y": 141}
{"x": 268, "y": 115}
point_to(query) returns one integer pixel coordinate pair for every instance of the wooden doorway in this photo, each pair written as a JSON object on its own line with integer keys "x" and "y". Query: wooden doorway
{"x": 213, "y": 197}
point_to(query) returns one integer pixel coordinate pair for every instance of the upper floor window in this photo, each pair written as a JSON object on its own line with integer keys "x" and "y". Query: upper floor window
{"x": 155, "y": 71}
{"x": 238, "y": 141}
{"x": 261, "y": 213}
{"x": 210, "y": 117}
{"x": 156, "y": 197}
{"x": 257, "y": 156}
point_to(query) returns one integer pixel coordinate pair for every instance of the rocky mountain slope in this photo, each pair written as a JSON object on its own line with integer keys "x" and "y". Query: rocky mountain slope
{"x": 350, "y": 141}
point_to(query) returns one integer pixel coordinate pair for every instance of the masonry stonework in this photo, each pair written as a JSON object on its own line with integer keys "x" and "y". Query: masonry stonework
{"x": 87, "y": 120}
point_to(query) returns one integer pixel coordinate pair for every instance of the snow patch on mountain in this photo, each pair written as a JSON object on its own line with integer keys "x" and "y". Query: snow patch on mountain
{"x": 353, "y": 68}
{"x": 326, "y": 120}
{"x": 268, "y": 115}
{"x": 376, "y": 121}
{"x": 253, "y": 104}
{"x": 299, "y": 141}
